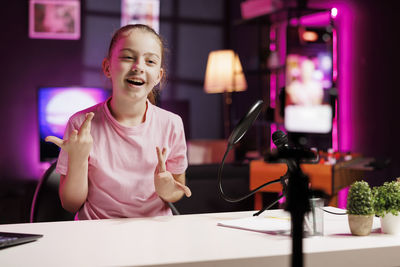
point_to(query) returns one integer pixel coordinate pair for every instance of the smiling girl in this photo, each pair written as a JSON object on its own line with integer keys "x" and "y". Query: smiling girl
{"x": 125, "y": 157}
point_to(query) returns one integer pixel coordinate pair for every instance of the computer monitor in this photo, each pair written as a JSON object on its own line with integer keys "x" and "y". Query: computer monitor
{"x": 55, "y": 105}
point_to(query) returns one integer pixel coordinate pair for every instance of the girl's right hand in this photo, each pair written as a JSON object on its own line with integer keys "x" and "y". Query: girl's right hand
{"x": 79, "y": 143}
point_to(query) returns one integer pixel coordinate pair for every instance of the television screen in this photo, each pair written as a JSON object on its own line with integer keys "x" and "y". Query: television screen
{"x": 56, "y": 105}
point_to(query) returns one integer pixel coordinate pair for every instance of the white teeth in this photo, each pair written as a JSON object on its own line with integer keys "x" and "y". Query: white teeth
{"x": 135, "y": 81}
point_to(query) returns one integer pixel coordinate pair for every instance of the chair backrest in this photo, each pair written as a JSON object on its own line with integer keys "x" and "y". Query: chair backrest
{"x": 173, "y": 209}
{"x": 46, "y": 204}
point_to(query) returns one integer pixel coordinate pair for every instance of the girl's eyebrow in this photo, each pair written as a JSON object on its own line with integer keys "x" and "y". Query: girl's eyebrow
{"x": 130, "y": 50}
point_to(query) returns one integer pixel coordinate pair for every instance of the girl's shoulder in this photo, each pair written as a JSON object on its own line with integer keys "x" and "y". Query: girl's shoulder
{"x": 79, "y": 116}
{"x": 166, "y": 116}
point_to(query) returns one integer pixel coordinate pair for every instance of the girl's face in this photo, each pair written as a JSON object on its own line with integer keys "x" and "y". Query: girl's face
{"x": 134, "y": 65}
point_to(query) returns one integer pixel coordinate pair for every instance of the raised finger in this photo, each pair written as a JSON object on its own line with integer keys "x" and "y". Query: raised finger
{"x": 161, "y": 159}
{"x": 55, "y": 140}
{"x": 73, "y": 135}
{"x": 185, "y": 189}
{"x": 87, "y": 123}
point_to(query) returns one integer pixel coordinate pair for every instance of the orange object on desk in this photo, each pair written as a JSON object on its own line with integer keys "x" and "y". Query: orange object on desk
{"x": 328, "y": 178}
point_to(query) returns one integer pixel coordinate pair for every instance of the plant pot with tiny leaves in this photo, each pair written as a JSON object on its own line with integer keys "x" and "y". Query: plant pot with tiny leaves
{"x": 387, "y": 206}
{"x": 360, "y": 208}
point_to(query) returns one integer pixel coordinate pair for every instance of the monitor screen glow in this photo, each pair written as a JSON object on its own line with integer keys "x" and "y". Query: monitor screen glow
{"x": 56, "y": 105}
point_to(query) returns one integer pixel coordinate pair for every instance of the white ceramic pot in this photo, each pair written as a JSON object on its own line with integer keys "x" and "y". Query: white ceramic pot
{"x": 390, "y": 224}
{"x": 360, "y": 224}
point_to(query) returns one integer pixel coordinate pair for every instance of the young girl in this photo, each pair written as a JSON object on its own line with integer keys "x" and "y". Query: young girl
{"x": 124, "y": 157}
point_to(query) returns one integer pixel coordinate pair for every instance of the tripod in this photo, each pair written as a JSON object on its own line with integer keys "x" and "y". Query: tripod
{"x": 297, "y": 203}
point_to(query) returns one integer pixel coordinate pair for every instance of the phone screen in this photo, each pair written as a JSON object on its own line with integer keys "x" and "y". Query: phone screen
{"x": 308, "y": 106}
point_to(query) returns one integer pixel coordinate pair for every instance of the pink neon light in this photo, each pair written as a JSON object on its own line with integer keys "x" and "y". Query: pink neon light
{"x": 282, "y": 200}
{"x": 272, "y": 90}
{"x": 322, "y": 18}
{"x": 273, "y": 128}
{"x": 272, "y": 37}
{"x": 335, "y": 138}
{"x": 345, "y": 42}
{"x": 342, "y": 198}
{"x": 334, "y": 12}
{"x": 272, "y": 83}
{"x": 272, "y": 34}
{"x": 334, "y": 55}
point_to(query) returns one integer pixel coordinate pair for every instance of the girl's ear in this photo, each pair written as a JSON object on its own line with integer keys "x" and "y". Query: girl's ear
{"x": 160, "y": 76}
{"x": 106, "y": 67}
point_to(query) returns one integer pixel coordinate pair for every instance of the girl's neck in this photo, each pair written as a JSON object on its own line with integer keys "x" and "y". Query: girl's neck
{"x": 126, "y": 112}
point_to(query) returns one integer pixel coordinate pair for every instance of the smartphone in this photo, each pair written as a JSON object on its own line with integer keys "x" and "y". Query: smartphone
{"x": 308, "y": 85}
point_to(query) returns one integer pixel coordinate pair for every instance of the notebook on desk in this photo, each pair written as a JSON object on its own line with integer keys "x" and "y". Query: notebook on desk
{"x": 11, "y": 239}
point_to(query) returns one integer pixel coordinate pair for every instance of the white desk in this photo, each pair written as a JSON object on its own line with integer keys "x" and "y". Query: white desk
{"x": 192, "y": 240}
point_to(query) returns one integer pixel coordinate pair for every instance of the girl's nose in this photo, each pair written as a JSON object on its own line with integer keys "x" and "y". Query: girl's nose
{"x": 138, "y": 66}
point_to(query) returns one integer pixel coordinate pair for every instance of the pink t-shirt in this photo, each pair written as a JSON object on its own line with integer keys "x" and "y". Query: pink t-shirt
{"x": 123, "y": 161}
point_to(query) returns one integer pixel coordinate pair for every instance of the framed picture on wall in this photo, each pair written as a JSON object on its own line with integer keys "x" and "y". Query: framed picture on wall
{"x": 141, "y": 11}
{"x": 54, "y": 19}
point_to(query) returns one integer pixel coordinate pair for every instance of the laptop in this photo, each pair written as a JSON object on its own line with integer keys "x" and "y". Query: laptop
{"x": 11, "y": 239}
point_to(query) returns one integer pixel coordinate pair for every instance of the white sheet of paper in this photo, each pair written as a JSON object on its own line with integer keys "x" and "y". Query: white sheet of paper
{"x": 278, "y": 222}
{"x": 268, "y": 223}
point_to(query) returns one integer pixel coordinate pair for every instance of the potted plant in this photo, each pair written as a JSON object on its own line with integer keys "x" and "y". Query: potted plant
{"x": 360, "y": 208}
{"x": 387, "y": 206}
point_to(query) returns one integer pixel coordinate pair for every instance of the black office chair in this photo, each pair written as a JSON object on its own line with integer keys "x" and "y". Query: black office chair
{"x": 46, "y": 204}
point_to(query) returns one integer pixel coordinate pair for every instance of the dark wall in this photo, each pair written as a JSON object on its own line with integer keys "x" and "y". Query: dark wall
{"x": 376, "y": 91}
{"x": 26, "y": 64}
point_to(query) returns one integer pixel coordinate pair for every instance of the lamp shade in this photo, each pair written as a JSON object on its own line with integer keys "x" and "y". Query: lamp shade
{"x": 224, "y": 73}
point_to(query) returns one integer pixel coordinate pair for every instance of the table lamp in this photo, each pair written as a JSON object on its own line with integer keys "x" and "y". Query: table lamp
{"x": 224, "y": 74}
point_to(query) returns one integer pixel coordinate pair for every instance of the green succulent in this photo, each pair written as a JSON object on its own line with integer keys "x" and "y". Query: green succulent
{"x": 387, "y": 198}
{"x": 360, "y": 199}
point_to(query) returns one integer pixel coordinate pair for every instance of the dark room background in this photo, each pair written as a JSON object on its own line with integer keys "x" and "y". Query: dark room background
{"x": 192, "y": 29}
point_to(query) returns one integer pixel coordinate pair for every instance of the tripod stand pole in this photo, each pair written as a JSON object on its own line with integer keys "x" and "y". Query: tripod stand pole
{"x": 297, "y": 205}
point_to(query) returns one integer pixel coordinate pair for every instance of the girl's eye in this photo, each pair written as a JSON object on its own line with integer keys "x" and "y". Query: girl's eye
{"x": 127, "y": 57}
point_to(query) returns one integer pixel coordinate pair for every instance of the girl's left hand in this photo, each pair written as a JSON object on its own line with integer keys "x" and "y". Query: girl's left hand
{"x": 164, "y": 181}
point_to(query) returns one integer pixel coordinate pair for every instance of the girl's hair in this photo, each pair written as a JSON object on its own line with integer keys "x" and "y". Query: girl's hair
{"x": 120, "y": 33}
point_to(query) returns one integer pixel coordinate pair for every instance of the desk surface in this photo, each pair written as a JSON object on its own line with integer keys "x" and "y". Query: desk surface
{"x": 192, "y": 240}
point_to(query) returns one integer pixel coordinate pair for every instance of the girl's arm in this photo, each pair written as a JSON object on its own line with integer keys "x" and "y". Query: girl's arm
{"x": 73, "y": 188}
